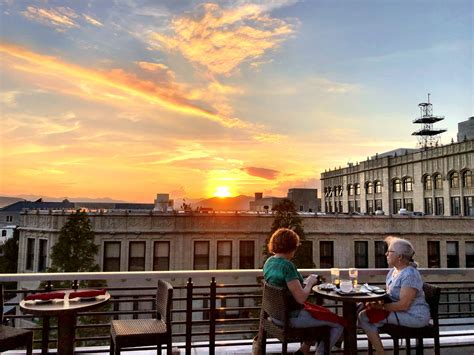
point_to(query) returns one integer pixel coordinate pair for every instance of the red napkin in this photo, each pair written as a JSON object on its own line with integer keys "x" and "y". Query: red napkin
{"x": 376, "y": 315}
{"x": 90, "y": 293}
{"x": 322, "y": 313}
{"x": 45, "y": 296}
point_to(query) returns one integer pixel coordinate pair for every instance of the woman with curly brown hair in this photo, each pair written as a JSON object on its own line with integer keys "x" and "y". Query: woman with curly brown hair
{"x": 281, "y": 272}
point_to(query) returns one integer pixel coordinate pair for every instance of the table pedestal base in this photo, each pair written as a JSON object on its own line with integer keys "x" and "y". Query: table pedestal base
{"x": 66, "y": 333}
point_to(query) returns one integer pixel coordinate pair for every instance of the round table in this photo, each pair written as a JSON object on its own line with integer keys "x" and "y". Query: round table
{"x": 349, "y": 312}
{"x": 66, "y": 312}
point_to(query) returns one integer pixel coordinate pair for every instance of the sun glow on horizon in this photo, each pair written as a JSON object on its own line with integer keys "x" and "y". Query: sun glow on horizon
{"x": 222, "y": 191}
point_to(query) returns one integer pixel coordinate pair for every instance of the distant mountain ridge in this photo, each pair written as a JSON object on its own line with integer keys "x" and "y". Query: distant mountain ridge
{"x": 237, "y": 203}
{"x": 5, "y": 200}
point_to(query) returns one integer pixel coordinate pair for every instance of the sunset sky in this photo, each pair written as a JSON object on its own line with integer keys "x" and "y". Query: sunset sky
{"x": 129, "y": 98}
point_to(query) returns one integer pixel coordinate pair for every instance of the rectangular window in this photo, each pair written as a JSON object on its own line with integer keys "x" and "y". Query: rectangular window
{"x": 428, "y": 205}
{"x": 43, "y": 254}
{"x": 161, "y": 256}
{"x": 397, "y": 204}
{"x": 408, "y": 203}
{"x": 439, "y": 206}
{"x": 4, "y": 232}
{"x": 136, "y": 256}
{"x": 361, "y": 254}
{"x": 111, "y": 256}
{"x": 370, "y": 206}
{"x": 380, "y": 258}
{"x": 433, "y": 255}
{"x": 9, "y": 218}
{"x": 30, "y": 253}
{"x": 224, "y": 255}
{"x": 378, "y": 205}
{"x": 357, "y": 205}
{"x": 350, "y": 206}
{"x": 468, "y": 206}
{"x": 246, "y": 254}
{"x": 452, "y": 254}
{"x": 326, "y": 254}
{"x": 469, "y": 254}
{"x": 305, "y": 252}
{"x": 201, "y": 255}
{"x": 455, "y": 206}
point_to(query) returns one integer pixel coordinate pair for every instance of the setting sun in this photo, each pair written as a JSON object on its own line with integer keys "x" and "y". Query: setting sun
{"x": 222, "y": 191}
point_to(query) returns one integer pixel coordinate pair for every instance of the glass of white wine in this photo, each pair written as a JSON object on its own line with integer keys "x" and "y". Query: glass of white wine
{"x": 353, "y": 274}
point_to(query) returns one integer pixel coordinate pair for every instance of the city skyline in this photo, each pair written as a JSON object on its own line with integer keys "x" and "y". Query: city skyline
{"x": 127, "y": 99}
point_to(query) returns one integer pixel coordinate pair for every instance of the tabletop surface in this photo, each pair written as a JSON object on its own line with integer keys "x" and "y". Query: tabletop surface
{"x": 54, "y": 308}
{"x": 351, "y": 297}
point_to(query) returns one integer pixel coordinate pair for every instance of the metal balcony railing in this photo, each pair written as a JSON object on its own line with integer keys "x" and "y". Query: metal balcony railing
{"x": 211, "y": 309}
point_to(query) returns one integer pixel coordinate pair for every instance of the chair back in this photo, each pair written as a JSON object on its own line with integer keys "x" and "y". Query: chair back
{"x": 278, "y": 302}
{"x": 432, "y": 296}
{"x": 164, "y": 302}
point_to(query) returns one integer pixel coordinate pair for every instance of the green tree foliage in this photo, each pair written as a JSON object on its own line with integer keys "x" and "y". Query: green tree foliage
{"x": 75, "y": 250}
{"x": 286, "y": 216}
{"x": 9, "y": 259}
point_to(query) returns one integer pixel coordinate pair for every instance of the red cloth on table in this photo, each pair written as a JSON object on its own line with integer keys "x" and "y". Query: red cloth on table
{"x": 45, "y": 296}
{"x": 322, "y": 313}
{"x": 90, "y": 293}
{"x": 376, "y": 315}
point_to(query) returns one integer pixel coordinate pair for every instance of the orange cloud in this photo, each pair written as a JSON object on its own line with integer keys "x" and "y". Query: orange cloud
{"x": 268, "y": 174}
{"x": 107, "y": 86}
{"x": 221, "y": 39}
{"x": 61, "y": 17}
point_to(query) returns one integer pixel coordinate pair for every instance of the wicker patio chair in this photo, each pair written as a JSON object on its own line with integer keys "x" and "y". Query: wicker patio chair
{"x": 12, "y": 338}
{"x": 143, "y": 332}
{"x": 277, "y": 303}
{"x": 397, "y": 332}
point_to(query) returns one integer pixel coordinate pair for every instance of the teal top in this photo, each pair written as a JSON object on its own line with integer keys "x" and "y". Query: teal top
{"x": 279, "y": 271}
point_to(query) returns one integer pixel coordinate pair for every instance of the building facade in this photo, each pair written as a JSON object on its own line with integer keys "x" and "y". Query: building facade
{"x": 466, "y": 129}
{"x": 137, "y": 241}
{"x": 437, "y": 181}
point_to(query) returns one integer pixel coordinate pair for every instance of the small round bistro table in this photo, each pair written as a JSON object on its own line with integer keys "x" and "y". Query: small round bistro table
{"x": 349, "y": 312}
{"x": 66, "y": 311}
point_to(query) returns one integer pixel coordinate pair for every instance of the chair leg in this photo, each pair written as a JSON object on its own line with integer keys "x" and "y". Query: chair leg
{"x": 408, "y": 345}
{"x": 327, "y": 349}
{"x": 112, "y": 347}
{"x": 169, "y": 347}
{"x": 396, "y": 347}
{"x": 158, "y": 349}
{"x": 284, "y": 348}
{"x": 264, "y": 342}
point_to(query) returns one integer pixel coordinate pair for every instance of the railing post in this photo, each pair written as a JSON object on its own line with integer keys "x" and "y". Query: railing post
{"x": 189, "y": 315}
{"x": 46, "y": 328}
{"x": 212, "y": 318}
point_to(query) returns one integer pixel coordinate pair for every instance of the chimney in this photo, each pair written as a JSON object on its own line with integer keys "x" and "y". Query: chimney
{"x": 258, "y": 196}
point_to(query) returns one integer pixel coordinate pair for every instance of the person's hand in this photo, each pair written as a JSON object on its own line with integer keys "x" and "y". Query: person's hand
{"x": 311, "y": 280}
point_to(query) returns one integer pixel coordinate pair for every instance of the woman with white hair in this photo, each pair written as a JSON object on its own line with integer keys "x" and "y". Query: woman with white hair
{"x": 406, "y": 304}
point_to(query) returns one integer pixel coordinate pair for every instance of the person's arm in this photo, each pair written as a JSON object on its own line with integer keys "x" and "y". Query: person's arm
{"x": 407, "y": 296}
{"x": 299, "y": 293}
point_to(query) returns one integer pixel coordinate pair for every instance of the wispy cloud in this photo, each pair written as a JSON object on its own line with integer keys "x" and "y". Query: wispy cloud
{"x": 92, "y": 20}
{"x": 221, "y": 39}
{"x": 61, "y": 18}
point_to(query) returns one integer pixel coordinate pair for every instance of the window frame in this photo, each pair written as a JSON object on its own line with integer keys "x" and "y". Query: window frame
{"x": 247, "y": 261}
{"x": 158, "y": 260}
{"x": 326, "y": 261}
{"x": 199, "y": 257}
{"x": 223, "y": 262}
{"x": 136, "y": 263}
{"x": 361, "y": 260}
{"x": 107, "y": 260}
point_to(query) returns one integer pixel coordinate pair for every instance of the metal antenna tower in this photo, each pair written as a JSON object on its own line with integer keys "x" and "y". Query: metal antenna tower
{"x": 428, "y": 137}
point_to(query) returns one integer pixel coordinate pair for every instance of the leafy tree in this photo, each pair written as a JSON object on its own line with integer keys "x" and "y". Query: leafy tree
{"x": 286, "y": 216}
{"x": 9, "y": 259}
{"x": 75, "y": 250}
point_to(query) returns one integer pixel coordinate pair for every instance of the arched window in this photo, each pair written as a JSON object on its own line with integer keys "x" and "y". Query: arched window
{"x": 350, "y": 188}
{"x": 357, "y": 189}
{"x": 408, "y": 184}
{"x": 378, "y": 187}
{"x": 454, "y": 180}
{"x": 467, "y": 178}
{"x": 397, "y": 185}
{"x": 369, "y": 188}
{"x": 438, "y": 182}
{"x": 427, "y": 183}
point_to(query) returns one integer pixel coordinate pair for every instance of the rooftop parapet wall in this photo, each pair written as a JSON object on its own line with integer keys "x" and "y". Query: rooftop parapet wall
{"x": 328, "y": 225}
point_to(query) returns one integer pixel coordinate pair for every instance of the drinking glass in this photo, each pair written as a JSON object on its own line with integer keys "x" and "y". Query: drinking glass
{"x": 353, "y": 273}
{"x": 346, "y": 285}
{"x": 335, "y": 276}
